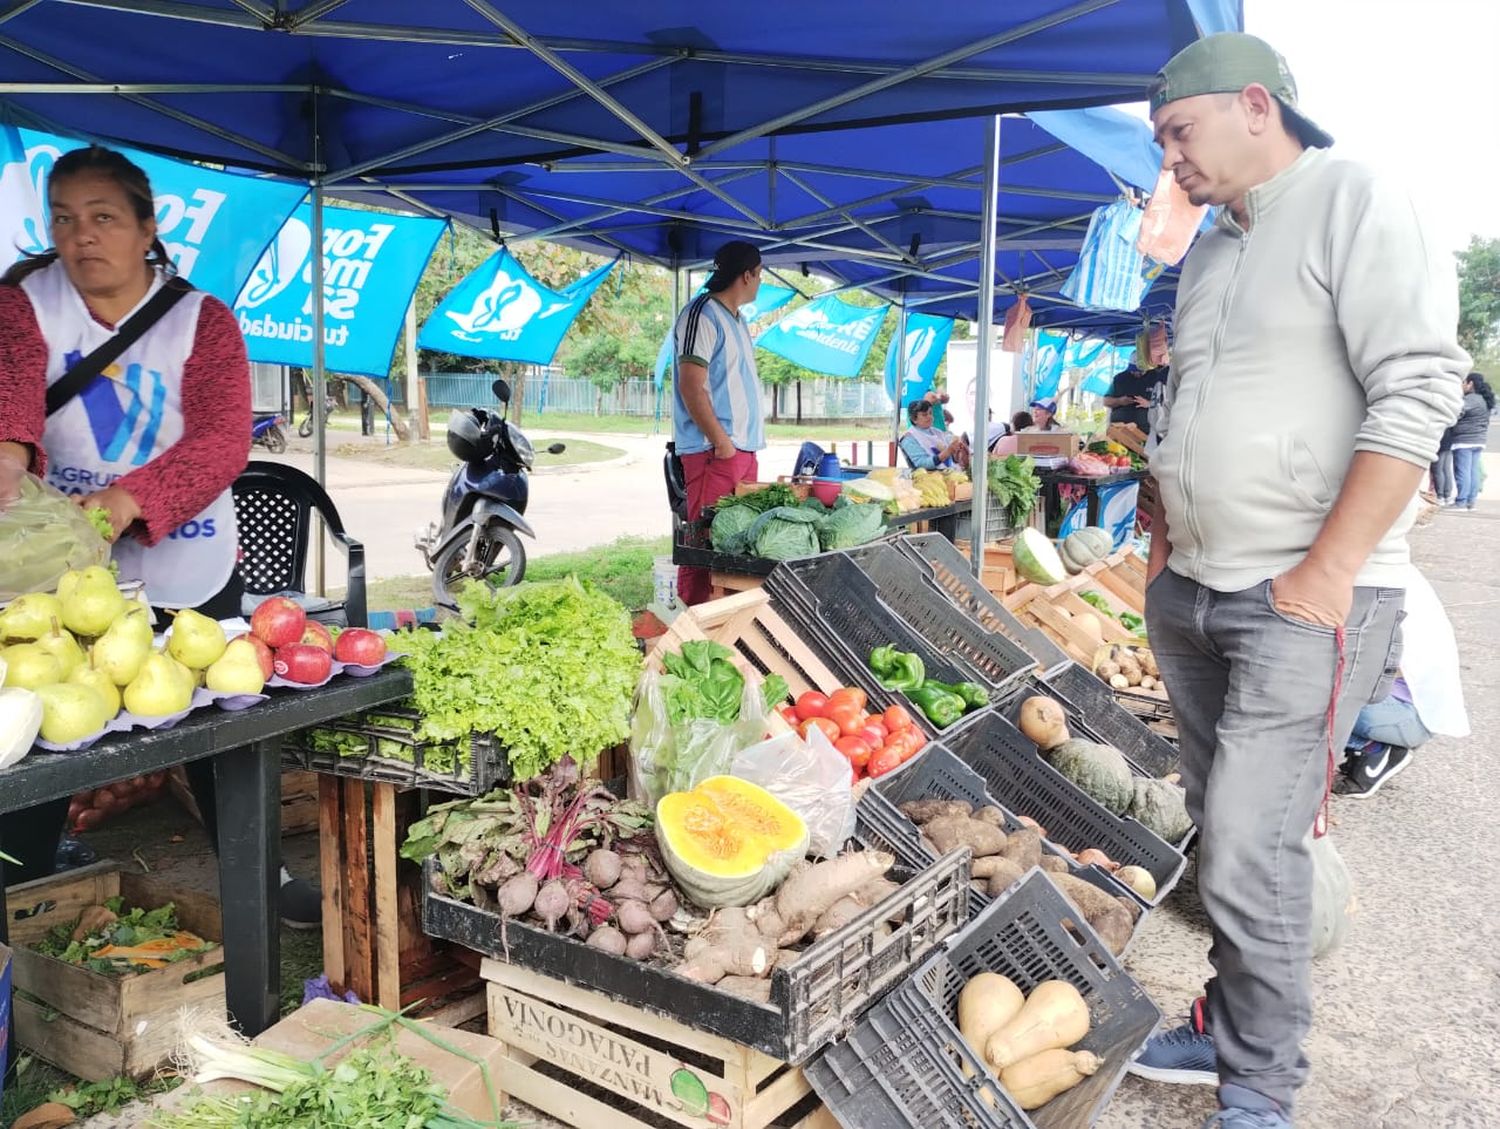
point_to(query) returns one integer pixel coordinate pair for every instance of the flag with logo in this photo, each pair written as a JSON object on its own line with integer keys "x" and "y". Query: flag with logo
{"x": 502, "y": 313}
{"x": 213, "y": 224}
{"x": 767, "y": 299}
{"x": 827, "y": 335}
{"x": 926, "y": 344}
{"x": 1047, "y": 357}
{"x": 372, "y": 262}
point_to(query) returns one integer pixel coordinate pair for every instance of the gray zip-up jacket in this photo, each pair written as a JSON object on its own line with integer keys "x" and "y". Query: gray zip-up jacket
{"x": 1318, "y": 332}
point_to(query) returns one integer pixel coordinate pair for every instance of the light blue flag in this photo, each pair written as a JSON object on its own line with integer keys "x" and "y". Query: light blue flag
{"x": 1047, "y": 360}
{"x": 372, "y": 262}
{"x": 769, "y": 298}
{"x": 827, "y": 335}
{"x": 213, "y": 224}
{"x": 926, "y": 345}
{"x": 501, "y": 313}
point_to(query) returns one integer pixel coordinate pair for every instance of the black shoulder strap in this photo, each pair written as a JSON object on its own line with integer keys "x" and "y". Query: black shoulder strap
{"x": 77, "y": 378}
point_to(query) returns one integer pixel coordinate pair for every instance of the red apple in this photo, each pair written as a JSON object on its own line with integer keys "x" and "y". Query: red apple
{"x": 278, "y": 621}
{"x": 316, "y": 635}
{"x": 299, "y": 662}
{"x": 262, "y": 653}
{"x": 360, "y": 647}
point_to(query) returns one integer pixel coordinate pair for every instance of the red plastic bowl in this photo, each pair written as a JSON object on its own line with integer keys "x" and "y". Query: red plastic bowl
{"x": 827, "y": 490}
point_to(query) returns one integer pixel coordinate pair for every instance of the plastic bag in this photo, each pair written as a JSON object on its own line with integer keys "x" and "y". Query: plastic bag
{"x": 43, "y": 535}
{"x": 1110, "y": 273}
{"x": 677, "y": 758}
{"x": 812, "y": 778}
{"x": 1169, "y": 222}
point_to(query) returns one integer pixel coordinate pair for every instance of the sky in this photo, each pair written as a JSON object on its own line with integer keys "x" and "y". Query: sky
{"x": 1412, "y": 88}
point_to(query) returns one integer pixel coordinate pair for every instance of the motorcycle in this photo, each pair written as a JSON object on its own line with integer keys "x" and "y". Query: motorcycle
{"x": 305, "y": 428}
{"x": 265, "y": 431}
{"x": 482, "y": 503}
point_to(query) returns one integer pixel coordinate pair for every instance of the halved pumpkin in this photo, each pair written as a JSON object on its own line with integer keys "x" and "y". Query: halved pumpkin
{"x": 728, "y": 842}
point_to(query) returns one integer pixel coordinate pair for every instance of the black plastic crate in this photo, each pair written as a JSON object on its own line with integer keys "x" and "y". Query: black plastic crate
{"x": 951, "y": 573}
{"x": 1096, "y": 704}
{"x": 938, "y": 774}
{"x": 997, "y": 660}
{"x": 813, "y": 1001}
{"x": 364, "y": 746}
{"x": 693, "y": 546}
{"x": 1025, "y": 784}
{"x": 904, "y": 1064}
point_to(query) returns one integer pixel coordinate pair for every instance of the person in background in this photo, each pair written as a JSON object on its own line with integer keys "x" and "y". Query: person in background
{"x": 175, "y": 408}
{"x": 1278, "y": 554}
{"x": 1427, "y": 698}
{"x": 718, "y": 418}
{"x": 1021, "y": 421}
{"x": 927, "y": 446}
{"x": 1043, "y": 416}
{"x": 1130, "y": 395}
{"x": 1442, "y": 471}
{"x": 1468, "y": 438}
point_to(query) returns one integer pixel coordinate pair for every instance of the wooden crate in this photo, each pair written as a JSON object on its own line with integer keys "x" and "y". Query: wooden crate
{"x": 589, "y": 1061}
{"x": 1129, "y": 436}
{"x": 1119, "y": 578}
{"x": 95, "y": 1026}
{"x": 373, "y": 944}
{"x": 299, "y": 799}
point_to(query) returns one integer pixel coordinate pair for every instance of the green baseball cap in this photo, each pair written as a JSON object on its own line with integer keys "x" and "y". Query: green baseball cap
{"x": 1226, "y": 64}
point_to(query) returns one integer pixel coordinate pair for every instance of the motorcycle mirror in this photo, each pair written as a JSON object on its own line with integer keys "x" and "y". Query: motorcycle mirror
{"x": 502, "y": 391}
{"x": 557, "y": 448}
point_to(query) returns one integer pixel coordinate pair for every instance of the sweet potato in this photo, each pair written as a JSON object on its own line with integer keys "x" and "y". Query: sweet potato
{"x": 1027, "y": 821}
{"x": 1054, "y": 864}
{"x": 838, "y": 915}
{"x": 990, "y": 814}
{"x": 741, "y": 955}
{"x": 875, "y": 891}
{"x": 952, "y": 832}
{"x": 806, "y": 896}
{"x": 1103, "y": 913}
{"x": 1024, "y": 848}
{"x": 1093, "y": 856}
{"x": 986, "y": 867}
{"x": 1006, "y": 875}
{"x": 924, "y": 811}
{"x": 750, "y": 987}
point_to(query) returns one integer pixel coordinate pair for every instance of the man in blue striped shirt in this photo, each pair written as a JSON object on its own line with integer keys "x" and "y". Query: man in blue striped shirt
{"x": 718, "y": 418}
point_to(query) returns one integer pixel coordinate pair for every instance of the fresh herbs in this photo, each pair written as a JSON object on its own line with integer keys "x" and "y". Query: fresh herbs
{"x": 1014, "y": 484}
{"x": 108, "y": 940}
{"x": 549, "y": 668}
{"x": 766, "y": 498}
{"x": 701, "y": 681}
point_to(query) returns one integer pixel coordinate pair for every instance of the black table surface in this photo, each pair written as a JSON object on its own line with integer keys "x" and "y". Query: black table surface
{"x": 1067, "y": 476}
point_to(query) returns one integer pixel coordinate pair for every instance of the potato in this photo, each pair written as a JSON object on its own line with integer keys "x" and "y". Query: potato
{"x": 1054, "y": 864}
{"x": 1107, "y": 670}
{"x": 951, "y": 832}
{"x": 1024, "y": 848}
{"x": 1004, "y": 877}
{"x": 1119, "y": 682}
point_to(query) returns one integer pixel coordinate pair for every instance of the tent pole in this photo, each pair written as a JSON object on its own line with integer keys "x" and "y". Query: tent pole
{"x": 661, "y": 393}
{"x": 900, "y": 368}
{"x": 418, "y": 426}
{"x": 320, "y": 375}
{"x": 980, "y": 458}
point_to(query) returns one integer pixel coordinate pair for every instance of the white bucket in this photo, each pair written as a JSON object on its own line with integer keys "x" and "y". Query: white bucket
{"x": 663, "y": 581}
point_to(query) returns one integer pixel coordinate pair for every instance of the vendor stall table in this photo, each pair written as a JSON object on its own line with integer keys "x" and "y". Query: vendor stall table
{"x": 245, "y": 746}
{"x": 1051, "y": 495}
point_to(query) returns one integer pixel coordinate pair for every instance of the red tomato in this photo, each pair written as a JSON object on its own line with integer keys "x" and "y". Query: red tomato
{"x": 884, "y": 761}
{"x": 896, "y": 719}
{"x": 789, "y": 715}
{"x": 811, "y": 704}
{"x": 846, "y": 715}
{"x": 856, "y": 749}
{"x": 828, "y": 728}
{"x": 916, "y": 739}
{"x": 874, "y": 733}
{"x": 848, "y": 694}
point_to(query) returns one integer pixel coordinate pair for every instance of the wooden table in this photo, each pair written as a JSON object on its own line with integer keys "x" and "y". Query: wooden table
{"x": 246, "y": 747}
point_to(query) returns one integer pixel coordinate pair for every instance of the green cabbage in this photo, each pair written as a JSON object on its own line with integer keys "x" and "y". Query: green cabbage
{"x": 785, "y": 534}
{"x": 729, "y": 529}
{"x": 846, "y": 526}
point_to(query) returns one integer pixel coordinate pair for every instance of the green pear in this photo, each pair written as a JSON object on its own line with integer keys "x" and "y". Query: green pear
{"x": 71, "y": 711}
{"x": 30, "y": 667}
{"x": 63, "y": 647}
{"x": 90, "y": 600}
{"x": 30, "y": 616}
{"x": 159, "y": 689}
{"x": 238, "y": 671}
{"x": 196, "y": 641}
{"x": 121, "y": 650}
{"x": 99, "y": 682}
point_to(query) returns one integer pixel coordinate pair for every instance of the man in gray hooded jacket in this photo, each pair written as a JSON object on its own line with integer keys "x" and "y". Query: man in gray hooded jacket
{"x": 1279, "y": 548}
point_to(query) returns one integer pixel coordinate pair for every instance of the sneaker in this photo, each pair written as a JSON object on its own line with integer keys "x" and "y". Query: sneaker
{"x": 1236, "y": 1118}
{"x": 301, "y": 905}
{"x": 1184, "y": 1055}
{"x": 1366, "y": 772}
{"x": 73, "y": 853}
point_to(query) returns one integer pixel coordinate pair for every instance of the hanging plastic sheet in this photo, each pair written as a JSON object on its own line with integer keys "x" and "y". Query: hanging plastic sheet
{"x": 1111, "y": 274}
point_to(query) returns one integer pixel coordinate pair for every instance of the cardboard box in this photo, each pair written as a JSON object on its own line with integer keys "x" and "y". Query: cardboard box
{"x": 1064, "y": 443}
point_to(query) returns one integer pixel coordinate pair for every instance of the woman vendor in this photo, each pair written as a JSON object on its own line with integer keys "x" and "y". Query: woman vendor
{"x": 926, "y": 446}
{"x": 155, "y": 439}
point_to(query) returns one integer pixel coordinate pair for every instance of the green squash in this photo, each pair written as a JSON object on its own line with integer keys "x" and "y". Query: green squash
{"x": 1099, "y": 770}
{"x": 1333, "y": 901}
{"x": 1161, "y": 808}
{"x": 1083, "y": 547}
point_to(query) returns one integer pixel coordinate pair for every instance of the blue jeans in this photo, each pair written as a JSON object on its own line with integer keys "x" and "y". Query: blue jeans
{"x": 1392, "y": 722}
{"x": 1466, "y": 472}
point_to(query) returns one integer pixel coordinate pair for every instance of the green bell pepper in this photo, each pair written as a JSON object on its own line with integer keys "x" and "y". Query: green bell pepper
{"x": 938, "y": 706}
{"x": 897, "y": 670}
{"x": 974, "y": 696}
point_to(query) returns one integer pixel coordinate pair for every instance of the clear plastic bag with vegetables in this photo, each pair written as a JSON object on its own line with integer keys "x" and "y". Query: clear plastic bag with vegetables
{"x": 812, "y": 778}
{"x": 43, "y": 535}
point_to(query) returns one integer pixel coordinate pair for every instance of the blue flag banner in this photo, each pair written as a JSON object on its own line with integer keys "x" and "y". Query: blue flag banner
{"x": 1100, "y": 368}
{"x": 926, "y": 345}
{"x": 827, "y": 335}
{"x": 1047, "y": 363}
{"x": 214, "y": 224}
{"x": 500, "y": 312}
{"x": 769, "y": 298}
{"x": 371, "y": 264}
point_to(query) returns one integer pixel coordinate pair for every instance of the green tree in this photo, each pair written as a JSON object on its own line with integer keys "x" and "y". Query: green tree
{"x": 1479, "y": 300}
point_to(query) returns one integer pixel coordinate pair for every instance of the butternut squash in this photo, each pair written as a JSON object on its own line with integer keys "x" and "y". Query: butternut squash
{"x": 987, "y": 1003}
{"x": 1035, "y": 1081}
{"x": 1053, "y": 1016}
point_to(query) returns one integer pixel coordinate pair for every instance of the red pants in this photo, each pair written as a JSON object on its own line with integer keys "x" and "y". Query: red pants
{"x": 709, "y": 479}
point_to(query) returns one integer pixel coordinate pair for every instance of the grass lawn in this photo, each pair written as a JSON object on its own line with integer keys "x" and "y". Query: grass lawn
{"x": 622, "y": 568}
{"x": 435, "y": 455}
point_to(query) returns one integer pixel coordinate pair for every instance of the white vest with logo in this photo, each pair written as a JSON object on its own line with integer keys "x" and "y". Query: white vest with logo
{"x": 125, "y": 418}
